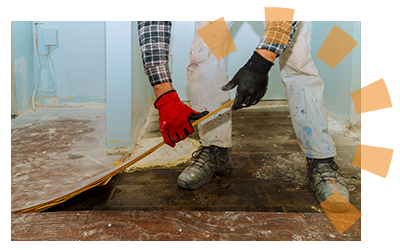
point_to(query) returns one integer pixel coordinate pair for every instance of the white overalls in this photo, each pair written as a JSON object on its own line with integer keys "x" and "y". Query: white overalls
{"x": 304, "y": 91}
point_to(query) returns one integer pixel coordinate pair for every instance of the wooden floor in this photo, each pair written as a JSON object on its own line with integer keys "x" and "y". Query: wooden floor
{"x": 177, "y": 226}
{"x": 269, "y": 174}
{"x": 265, "y": 196}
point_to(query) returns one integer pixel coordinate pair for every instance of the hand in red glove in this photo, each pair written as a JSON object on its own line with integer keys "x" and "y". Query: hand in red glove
{"x": 174, "y": 117}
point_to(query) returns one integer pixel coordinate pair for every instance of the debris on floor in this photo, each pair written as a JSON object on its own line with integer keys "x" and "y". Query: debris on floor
{"x": 164, "y": 156}
{"x": 269, "y": 171}
{"x": 55, "y": 151}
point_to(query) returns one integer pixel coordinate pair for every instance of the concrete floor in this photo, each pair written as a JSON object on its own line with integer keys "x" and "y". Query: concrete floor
{"x": 268, "y": 174}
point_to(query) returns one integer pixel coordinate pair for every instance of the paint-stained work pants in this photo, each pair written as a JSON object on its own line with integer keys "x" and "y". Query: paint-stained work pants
{"x": 304, "y": 90}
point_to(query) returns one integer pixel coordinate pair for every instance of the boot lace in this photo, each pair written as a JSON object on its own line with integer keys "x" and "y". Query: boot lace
{"x": 322, "y": 174}
{"x": 202, "y": 156}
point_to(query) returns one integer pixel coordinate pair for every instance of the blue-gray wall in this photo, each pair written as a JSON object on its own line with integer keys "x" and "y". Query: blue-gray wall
{"x": 339, "y": 82}
{"x": 100, "y": 62}
{"x": 246, "y": 36}
{"x": 23, "y": 63}
{"x": 83, "y": 73}
{"x": 78, "y": 62}
{"x": 346, "y": 76}
{"x": 128, "y": 92}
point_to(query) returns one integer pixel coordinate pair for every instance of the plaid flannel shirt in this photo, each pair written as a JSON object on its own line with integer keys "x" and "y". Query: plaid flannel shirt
{"x": 275, "y": 31}
{"x": 154, "y": 39}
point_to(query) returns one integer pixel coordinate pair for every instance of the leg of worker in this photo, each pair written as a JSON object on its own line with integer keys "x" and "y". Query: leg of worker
{"x": 305, "y": 95}
{"x": 206, "y": 75}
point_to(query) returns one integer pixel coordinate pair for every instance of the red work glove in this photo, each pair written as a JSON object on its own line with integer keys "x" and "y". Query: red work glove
{"x": 174, "y": 117}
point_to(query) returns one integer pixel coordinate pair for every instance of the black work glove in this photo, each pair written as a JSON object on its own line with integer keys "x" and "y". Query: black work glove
{"x": 252, "y": 81}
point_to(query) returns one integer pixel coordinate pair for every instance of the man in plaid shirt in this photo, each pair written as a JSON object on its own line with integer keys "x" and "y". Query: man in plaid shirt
{"x": 209, "y": 89}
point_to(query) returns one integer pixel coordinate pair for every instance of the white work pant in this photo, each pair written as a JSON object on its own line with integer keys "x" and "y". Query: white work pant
{"x": 304, "y": 90}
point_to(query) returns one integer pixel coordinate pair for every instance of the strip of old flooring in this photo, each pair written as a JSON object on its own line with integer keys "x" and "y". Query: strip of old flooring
{"x": 177, "y": 226}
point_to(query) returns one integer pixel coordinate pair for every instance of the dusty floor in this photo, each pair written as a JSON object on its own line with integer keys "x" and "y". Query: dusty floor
{"x": 55, "y": 151}
{"x": 268, "y": 174}
{"x": 96, "y": 225}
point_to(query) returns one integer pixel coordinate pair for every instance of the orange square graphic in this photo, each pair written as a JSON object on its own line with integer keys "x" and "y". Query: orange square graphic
{"x": 371, "y": 97}
{"x": 356, "y": 97}
{"x": 373, "y": 159}
{"x": 278, "y": 23}
{"x": 278, "y": 14}
{"x": 217, "y": 37}
{"x": 277, "y": 32}
{"x": 336, "y": 46}
{"x": 341, "y": 220}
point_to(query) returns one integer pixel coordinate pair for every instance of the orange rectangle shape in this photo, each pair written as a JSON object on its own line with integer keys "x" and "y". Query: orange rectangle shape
{"x": 357, "y": 157}
{"x": 336, "y": 46}
{"x": 356, "y": 97}
{"x": 277, "y": 32}
{"x": 278, "y": 14}
{"x": 220, "y": 19}
{"x": 218, "y": 39}
{"x": 371, "y": 97}
{"x": 375, "y": 96}
{"x": 373, "y": 159}
{"x": 341, "y": 220}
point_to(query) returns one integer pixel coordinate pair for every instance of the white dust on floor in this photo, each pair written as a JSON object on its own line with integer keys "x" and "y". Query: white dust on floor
{"x": 165, "y": 155}
{"x": 340, "y": 133}
{"x": 288, "y": 167}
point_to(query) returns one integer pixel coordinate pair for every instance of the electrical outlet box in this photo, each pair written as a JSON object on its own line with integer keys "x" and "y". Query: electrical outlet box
{"x": 50, "y": 37}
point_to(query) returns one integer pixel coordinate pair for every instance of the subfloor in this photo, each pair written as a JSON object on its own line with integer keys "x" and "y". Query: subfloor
{"x": 268, "y": 175}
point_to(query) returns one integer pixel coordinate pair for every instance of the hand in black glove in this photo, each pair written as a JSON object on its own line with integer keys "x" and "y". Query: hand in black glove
{"x": 252, "y": 81}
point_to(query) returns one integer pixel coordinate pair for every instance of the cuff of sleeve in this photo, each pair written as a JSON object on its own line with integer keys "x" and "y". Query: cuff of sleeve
{"x": 278, "y": 49}
{"x": 158, "y": 74}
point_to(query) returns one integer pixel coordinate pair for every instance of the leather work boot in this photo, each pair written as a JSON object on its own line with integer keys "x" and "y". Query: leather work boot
{"x": 207, "y": 160}
{"x": 325, "y": 179}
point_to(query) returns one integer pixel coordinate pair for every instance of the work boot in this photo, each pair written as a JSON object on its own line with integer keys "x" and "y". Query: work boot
{"x": 325, "y": 179}
{"x": 207, "y": 160}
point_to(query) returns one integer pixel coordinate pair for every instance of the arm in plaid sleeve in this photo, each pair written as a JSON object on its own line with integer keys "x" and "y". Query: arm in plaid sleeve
{"x": 154, "y": 39}
{"x": 276, "y": 30}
